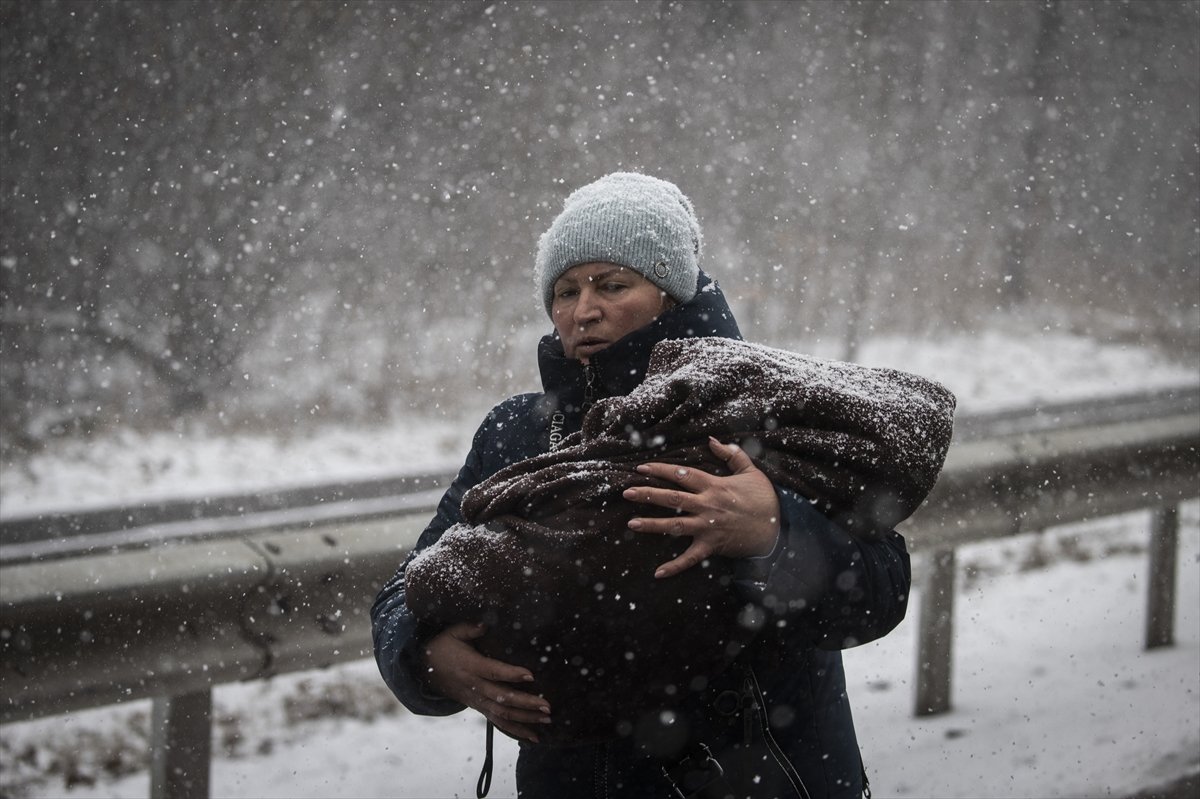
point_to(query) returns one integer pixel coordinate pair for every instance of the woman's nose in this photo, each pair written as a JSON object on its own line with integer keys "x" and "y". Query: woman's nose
{"x": 586, "y": 307}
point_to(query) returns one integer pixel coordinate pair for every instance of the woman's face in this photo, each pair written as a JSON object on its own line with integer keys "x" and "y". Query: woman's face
{"x": 595, "y": 304}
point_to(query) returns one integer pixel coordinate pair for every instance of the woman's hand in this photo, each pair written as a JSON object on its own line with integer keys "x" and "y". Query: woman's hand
{"x": 457, "y": 671}
{"x": 735, "y": 516}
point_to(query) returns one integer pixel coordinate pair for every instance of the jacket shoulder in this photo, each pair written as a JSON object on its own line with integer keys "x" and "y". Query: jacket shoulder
{"x": 517, "y": 406}
{"x": 514, "y": 430}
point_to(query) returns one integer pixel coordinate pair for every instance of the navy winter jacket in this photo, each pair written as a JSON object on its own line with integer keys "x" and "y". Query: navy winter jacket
{"x": 820, "y": 591}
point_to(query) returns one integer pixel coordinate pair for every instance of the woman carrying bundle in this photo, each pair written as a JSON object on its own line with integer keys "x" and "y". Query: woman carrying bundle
{"x": 645, "y": 572}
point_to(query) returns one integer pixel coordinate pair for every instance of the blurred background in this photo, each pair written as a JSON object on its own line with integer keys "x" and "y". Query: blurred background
{"x": 273, "y": 214}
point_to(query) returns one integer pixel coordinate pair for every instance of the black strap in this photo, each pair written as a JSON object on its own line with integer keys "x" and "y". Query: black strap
{"x": 485, "y": 775}
{"x": 698, "y": 776}
{"x": 772, "y": 746}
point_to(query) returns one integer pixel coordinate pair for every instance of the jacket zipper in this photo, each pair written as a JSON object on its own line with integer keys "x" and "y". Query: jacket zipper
{"x": 589, "y": 388}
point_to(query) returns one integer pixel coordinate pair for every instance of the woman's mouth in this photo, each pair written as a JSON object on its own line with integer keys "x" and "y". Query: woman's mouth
{"x": 591, "y": 344}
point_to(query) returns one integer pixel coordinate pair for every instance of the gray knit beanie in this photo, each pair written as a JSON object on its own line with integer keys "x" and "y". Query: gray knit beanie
{"x": 633, "y": 220}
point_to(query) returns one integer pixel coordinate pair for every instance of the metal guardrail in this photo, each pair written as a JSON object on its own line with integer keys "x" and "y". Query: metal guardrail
{"x": 173, "y": 620}
{"x": 1027, "y": 481}
{"x": 71, "y": 533}
{"x": 186, "y": 616}
{"x": 67, "y": 533}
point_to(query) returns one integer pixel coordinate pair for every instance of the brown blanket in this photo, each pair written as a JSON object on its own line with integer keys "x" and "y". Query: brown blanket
{"x": 567, "y": 590}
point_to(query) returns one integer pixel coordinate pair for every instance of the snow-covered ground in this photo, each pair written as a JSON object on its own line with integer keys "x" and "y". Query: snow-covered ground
{"x": 988, "y": 371}
{"x": 1053, "y": 692}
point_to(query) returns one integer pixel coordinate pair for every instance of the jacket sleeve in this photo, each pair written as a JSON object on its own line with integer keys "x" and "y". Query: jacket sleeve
{"x": 834, "y": 589}
{"x": 398, "y": 638}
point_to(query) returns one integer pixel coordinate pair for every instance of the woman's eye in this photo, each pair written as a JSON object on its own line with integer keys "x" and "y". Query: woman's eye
{"x": 613, "y": 286}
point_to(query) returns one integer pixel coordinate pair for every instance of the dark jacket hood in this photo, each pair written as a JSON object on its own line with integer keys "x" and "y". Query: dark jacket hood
{"x": 621, "y": 367}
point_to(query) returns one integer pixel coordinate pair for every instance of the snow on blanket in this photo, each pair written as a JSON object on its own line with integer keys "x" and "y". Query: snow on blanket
{"x": 567, "y": 590}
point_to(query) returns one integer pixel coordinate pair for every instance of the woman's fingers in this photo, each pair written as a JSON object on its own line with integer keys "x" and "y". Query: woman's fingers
{"x": 735, "y": 515}
{"x": 694, "y": 555}
{"x": 518, "y": 706}
{"x": 466, "y": 631}
{"x": 514, "y": 729}
{"x": 515, "y": 713}
{"x": 459, "y": 671}
{"x": 499, "y": 671}
{"x": 494, "y": 680}
{"x": 690, "y": 478}
{"x": 734, "y": 456}
{"x": 682, "y": 500}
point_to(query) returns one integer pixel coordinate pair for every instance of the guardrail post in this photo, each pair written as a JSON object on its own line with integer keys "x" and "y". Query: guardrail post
{"x": 181, "y": 746}
{"x": 1160, "y": 605}
{"x": 936, "y": 635}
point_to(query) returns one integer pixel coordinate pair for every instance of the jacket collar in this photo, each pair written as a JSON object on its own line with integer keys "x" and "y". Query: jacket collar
{"x": 621, "y": 367}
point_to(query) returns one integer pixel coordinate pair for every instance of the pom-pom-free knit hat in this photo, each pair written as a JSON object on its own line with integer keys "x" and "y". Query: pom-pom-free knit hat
{"x": 636, "y": 221}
